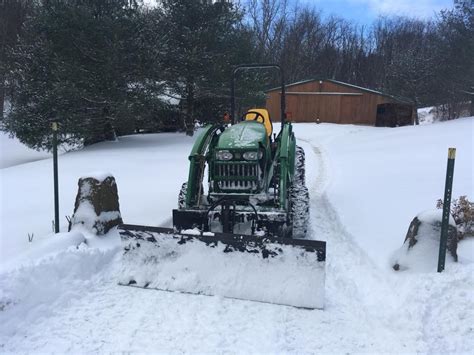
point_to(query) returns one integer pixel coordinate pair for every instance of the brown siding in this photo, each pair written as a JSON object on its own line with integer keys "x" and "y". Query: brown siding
{"x": 349, "y": 109}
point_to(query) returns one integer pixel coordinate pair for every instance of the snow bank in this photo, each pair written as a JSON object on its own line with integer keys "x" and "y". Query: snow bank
{"x": 56, "y": 243}
{"x": 58, "y": 269}
{"x": 44, "y": 248}
{"x": 39, "y": 289}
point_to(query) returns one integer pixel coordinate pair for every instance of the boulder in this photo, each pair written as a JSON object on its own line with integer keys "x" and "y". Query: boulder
{"x": 420, "y": 249}
{"x": 97, "y": 204}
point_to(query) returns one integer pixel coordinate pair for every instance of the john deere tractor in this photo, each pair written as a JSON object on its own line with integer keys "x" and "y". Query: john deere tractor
{"x": 240, "y": 219}
{"x": 255, "y": 180}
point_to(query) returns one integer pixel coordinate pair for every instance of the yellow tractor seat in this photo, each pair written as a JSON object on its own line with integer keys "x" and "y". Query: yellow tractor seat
{"x": 260, "y": 115}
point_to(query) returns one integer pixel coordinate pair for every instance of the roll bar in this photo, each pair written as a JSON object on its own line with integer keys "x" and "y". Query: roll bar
{"x": 259, "y": 66}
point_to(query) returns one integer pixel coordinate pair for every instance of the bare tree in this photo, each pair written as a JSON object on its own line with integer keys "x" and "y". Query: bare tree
{"x": 268, "y": 21}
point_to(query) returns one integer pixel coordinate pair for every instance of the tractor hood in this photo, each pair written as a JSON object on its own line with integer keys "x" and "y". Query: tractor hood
{"x": 246, "y": 134}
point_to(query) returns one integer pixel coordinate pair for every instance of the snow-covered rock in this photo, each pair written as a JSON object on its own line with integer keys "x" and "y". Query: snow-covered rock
{"x": 421, "y": 247}
{"x": 97, "y": 204}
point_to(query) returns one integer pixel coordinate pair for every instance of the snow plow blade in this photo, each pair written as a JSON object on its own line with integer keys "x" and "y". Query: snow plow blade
{"x": 272, "y": 270}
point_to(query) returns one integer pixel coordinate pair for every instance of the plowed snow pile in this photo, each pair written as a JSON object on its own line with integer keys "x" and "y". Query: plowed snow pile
{"x": 59, "y": 293}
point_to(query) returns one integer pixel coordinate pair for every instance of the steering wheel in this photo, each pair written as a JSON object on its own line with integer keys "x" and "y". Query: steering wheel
{"x": 257, "y": 116}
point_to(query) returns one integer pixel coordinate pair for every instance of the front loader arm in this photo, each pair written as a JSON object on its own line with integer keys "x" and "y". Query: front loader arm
{"x": 197, "y": 164}
{"x": 287, "y": 148}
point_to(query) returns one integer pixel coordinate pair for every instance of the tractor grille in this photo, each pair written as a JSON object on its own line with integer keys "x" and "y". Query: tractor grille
{"x": 237, "y": 176}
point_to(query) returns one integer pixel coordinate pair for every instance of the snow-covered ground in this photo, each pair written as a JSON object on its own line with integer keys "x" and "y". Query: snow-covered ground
{"x": 12, "y": 152}
{"x": 149, "y": 170}
{"x": 381, "y": 178}
{"x": 366, "y": 185}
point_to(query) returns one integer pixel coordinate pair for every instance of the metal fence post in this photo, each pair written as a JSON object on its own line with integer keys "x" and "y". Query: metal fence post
{"x": 54, "y": 127}
{"x": 446, "y": 209}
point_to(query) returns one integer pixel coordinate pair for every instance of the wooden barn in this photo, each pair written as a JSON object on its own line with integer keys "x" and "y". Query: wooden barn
{"x": 337, "y": 102}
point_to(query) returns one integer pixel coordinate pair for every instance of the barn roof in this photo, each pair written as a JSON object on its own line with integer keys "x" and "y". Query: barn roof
{"x": 396, "y": 98}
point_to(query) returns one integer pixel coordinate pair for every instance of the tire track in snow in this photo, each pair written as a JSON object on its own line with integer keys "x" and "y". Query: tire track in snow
{"x": 354, "y": 284}
{"x": 320, "y": 182}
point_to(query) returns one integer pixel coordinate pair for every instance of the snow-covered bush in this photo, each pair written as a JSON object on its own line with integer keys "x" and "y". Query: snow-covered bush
{"x": 452, "y": 110}
{"x": 462, "y": 211}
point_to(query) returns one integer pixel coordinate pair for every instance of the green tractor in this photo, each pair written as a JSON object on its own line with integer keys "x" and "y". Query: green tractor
{"x": 255, "y": 180}
{"x": 245, "y": 198}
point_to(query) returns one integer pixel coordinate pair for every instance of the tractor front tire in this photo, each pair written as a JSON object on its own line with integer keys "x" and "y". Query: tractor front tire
{"x": 182, "y": 196}
{"x": 300, "y": 165}
{"x": 299, "y": 198}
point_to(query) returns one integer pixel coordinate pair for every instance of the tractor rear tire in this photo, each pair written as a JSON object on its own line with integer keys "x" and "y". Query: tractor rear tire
{"x": 299, "y": 198}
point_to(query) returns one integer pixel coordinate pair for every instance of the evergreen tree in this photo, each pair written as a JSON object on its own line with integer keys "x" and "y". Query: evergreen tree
{"x": 12, "y": 16}
{"x": 201, "y": 42}
{"x": 81, "y": 62}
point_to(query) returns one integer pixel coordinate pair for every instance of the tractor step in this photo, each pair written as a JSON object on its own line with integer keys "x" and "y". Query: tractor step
{"x": 264, "y": 269}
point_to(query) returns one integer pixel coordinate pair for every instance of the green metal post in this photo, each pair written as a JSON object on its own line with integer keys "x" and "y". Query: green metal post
{"x": 446, "y": 209}
{"x": 55, "y": 176}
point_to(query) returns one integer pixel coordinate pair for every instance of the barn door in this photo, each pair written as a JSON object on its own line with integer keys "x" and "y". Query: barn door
{"x": 350, "y": 109}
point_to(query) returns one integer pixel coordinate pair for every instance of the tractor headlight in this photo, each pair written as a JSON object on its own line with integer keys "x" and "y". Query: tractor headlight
{"x": 224, "y": 155}
{"x": 252, "y": 155}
